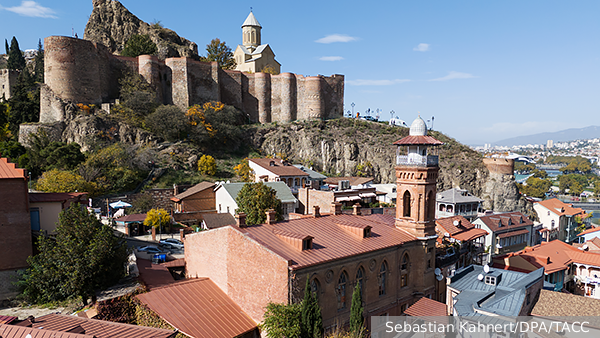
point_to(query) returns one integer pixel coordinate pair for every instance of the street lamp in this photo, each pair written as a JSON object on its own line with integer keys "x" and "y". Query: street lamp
{"x": 352, "y": 104}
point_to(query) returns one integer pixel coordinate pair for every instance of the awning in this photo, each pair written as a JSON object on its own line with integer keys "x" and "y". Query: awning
{"x": 348, "y": 198}
{"x": 367, "y": 195}
{"x": 119, "y": 204}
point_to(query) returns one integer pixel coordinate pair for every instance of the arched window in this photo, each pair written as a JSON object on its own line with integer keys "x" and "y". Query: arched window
{"x": 382, "y": 278}
{"x": 315, "y": 287}
{"x": 431, "y": 205}
{"x": 341, "y": 291}
{"x": 253, "y": 37}
{"x": 360, "y": 279}
{"x": 404, "y": 266}
{"x": 406, "y": 205}
{"x": 442, "y": 207}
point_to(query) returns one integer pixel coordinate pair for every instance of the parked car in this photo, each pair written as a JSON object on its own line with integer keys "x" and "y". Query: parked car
{"x": 172, "y": 243}
{"x": 369, "y": 118}
{"x": 150, "y": 249}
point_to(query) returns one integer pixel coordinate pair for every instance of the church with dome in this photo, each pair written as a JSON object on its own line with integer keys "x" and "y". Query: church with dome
{"x": 252, "y": 56}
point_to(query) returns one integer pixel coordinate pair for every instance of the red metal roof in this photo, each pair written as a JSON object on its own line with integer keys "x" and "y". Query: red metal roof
{"x": 516, "y": 220}
{"x": 154, "y": 275}
{"x": 199, "y": 309}
{"x": 195, "y": 189}
{"x": 177, "y": 263}
{"x": 561, "y": 208}
{"x": 470, "y": 234}
{"x": 279, "y": 167}
{"x": 330, "y": 241}
{"x": 410, "y": 140}
{"x": 98, "y": 328}
{"x": 463, "y": 231}
{"x": 426, "y": 307}
{"x": 132, "y": 218}
{"x": 40, "y": 197}
{"x": 589, "y": 231}
{"x": 10, "y": 170}
{"x": 12, "y": 331}
{"x": 7, "y": 319}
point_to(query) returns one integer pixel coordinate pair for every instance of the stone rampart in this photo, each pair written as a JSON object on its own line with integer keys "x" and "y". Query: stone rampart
{"x": 8, "y": 78}
{"x": 84, "y": 72}
{"x": 503, "y": 166}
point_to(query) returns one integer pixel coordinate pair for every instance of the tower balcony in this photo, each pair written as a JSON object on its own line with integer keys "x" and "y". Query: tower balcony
{"x": 417, "y": 160}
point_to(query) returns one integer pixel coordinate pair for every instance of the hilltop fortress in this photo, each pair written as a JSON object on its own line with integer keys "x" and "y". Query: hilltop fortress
{"x": 82, "y": 71}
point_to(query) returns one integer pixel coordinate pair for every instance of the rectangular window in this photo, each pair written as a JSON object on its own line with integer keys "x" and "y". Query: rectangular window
{"x": 403, "y": 281}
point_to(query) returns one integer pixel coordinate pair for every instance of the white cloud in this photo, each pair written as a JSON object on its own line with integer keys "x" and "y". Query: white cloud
{"x": 336, "y": 38}
{"x": 331, "y": 58}
{"x": 32, "y": 9}
{"x": 422, "y": 47}
{"x": 375, "y": 82}
{"x": 455, "y": 75}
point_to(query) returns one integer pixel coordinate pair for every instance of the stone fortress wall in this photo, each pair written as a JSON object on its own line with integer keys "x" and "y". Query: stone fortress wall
{"x": 81, "y": 71}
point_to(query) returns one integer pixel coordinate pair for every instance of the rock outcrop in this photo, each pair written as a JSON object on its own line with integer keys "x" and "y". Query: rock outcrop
{"x": 341, "y": 147}
{"x": 111, "y": 24}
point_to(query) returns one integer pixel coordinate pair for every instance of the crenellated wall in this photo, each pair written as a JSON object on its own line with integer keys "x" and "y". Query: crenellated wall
{"x": 80, "y": 71}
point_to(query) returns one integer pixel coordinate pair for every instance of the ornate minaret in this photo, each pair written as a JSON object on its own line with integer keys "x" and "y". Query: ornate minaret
{"x": 251, "y": 33}
{"x": 416, "y": 177}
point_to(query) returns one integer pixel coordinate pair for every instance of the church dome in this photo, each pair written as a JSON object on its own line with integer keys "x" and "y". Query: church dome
{"x": 418, "y": 127}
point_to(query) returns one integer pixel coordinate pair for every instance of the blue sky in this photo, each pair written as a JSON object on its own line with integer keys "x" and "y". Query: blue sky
{"x": 486, "y": 70}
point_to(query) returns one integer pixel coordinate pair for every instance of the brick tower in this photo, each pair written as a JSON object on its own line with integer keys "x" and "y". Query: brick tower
{"x": 416, "y": 177}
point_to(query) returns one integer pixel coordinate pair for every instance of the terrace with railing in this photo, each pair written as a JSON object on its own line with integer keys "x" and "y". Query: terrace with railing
{"x": 417, "y": 160}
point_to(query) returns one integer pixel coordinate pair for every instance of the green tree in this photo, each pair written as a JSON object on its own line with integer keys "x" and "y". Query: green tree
{"x": 282, "y": 321}
{"x": 168, "y": 122}
{"x": 24, "y": 102}
{"x": 83, "y": 258}
{"x": 312, "y": 321}
{"x": 535, "y": 187}
{"x": 357, "y": 313}
{"x": 39, "y": 63}
{"x": 16, "y": 60}
{"x": 6, "y": 47}
{"x": 207, "y": 165}
{"x": 139, "y": 45}
{"x": 141, "y": 204}
{"x": 220, "y": 52}
{"x": 157, "y": 218}
{"x": 244, "y": 171}
{"x": 254, "y": 199}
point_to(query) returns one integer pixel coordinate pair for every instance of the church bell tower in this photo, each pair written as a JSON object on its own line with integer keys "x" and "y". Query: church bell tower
{"x": 416, "y": 178}
{"x": 251, "y": 33}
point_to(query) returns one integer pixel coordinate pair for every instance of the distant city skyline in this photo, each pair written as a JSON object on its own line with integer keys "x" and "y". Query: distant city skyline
{"x": 486, "y": 71}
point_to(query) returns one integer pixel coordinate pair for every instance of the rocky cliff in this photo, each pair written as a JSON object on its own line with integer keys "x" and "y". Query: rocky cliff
{"x": 345, "y": 146}
{"x": 111, "y": 24}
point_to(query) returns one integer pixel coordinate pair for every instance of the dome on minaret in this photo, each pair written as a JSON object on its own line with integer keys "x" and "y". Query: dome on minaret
{"x": 418, "y": 127}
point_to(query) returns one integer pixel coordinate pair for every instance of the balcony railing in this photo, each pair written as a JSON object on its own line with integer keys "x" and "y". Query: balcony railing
{"x": 417, "y": 160}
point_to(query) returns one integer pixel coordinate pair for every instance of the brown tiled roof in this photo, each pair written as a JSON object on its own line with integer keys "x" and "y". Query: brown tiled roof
{"x": 513, "y": 233}
{"x": 426, "y": 307}
{"x": 514, "y": 217}
{"x": 553, "y": 256}
{"x": 214, "y": 221}
{"x": 561, "y": 208}
{"x": 195, "y": 189}
{"x": 39, "y": 197}
{"x": 353, "y": 180}
{"x": 278, "y": 168}
{"x": 10, "y": 170}
{"x": 199, "y": 309}
{"x": 589, "y": 231}
{"x": 330, "y": 241}
{"x": 464, "y": 231}
{"x": 99, "y": 328}
{"x": 408, "y": 140}
{"x": 12, "y": 331}
{"x": 555, "y": 304}
{"x": 132, "y": 218}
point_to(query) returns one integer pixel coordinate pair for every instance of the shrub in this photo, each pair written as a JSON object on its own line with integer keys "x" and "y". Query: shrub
{"x": 139, "y": 45}
{"x": 207, "y": 165}
{"x": 168, "y": 122}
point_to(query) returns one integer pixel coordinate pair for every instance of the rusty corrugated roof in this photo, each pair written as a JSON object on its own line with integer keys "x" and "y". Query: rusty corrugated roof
{"x": 99, "y": 328}
{"x": 426, "y": 307}
{"x": 10, "y": 170}
{"x": 7, "y": 319}
{"x": 199, "y": 309}
{"x": 154, "y": 275}
{"x": 195, "y": 189}
{"x": 12, "y": 331}
{"x": 330, "y": 241}
{"x": 177, "y": 263}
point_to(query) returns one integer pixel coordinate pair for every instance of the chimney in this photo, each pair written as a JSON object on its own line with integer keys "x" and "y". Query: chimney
{"x": 316, "y": 211}
{"x": 356, "y": 209}
{"x": 336, "y": 208}
{"x": 271, "y": 216}
{"x": 240, "y": 220}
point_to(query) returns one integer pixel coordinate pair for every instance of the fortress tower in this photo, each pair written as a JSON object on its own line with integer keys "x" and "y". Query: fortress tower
{"x": 252, "y": 56}
{"x": 416, "y": 177}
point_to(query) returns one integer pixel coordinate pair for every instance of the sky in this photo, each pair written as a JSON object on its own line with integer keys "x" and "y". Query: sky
{"x": 481, "y": 71}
